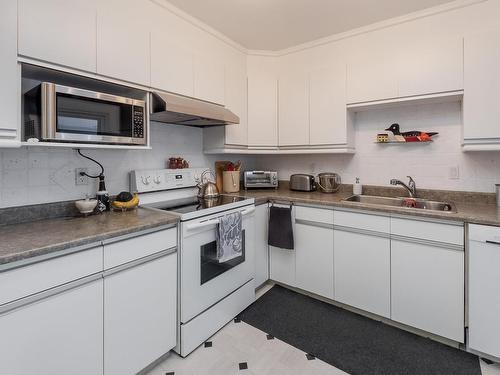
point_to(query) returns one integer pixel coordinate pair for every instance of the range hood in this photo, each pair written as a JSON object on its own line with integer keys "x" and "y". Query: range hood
{"x": 181, "y": 110}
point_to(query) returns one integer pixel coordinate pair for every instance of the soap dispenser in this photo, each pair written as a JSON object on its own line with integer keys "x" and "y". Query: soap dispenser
{"x": 357, "y": 188}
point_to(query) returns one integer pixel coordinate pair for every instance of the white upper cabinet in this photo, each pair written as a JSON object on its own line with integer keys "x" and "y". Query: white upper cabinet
{"x": 481, "y": 109}
{"x": 371, "y": 73}
{"x": 236, "y": 94}
{"x": 68, "y": 35}
{"x": 430, "y": 66}
{"x": 172, "y": 65}
{"x": 209, "y": 78}
{"x": 9, "y": 76}
{"x": 327, "y": 106}
{"x": 293, "y": 109}
{"x": 389, "y": 69}
{"x": 123, "y": 40}
{"x": 262, "y": 109}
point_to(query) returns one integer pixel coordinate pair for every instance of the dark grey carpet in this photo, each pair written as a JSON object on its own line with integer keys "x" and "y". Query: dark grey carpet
{"x": 351, "y": 342}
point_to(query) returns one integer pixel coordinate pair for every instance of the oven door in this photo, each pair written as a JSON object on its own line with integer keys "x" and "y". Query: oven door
{"x": 76, "y": 115}
{"x": 204, "y": 281}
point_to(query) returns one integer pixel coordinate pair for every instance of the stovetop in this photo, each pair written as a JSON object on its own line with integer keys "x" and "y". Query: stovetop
{"x": 184, "y": 206}
{"x": 192, "y": 207}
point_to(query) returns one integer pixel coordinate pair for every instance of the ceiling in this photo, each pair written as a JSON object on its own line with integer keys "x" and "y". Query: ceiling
{"x": 279, "y": 24}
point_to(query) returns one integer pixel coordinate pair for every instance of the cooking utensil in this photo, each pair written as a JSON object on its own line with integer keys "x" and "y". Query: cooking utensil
{"x": 328, "y": 182}
{"x": 207, "y": 189}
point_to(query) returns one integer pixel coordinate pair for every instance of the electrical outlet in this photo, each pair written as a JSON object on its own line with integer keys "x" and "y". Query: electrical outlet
{"x": 79, "y": 179}
{"x": 453, "y": 173}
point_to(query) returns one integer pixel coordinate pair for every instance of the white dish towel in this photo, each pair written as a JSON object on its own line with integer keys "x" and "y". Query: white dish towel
{"x": 229, "y": 237}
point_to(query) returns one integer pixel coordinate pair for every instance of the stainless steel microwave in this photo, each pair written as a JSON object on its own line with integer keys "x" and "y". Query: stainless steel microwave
{"x": 69, "y": 114}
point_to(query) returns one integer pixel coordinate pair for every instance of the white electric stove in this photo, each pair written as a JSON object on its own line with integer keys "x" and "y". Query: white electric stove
{"x": 210, "y": 293}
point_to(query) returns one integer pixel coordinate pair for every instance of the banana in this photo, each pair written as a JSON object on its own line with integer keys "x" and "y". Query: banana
{"x": 134, "y": 202}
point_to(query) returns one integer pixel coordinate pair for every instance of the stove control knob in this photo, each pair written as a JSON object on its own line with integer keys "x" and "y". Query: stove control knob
{"x": 157, "y": 180}
{"x": 146, "y": 180}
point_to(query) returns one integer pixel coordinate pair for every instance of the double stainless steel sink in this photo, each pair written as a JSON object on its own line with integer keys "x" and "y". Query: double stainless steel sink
{"x": 410, "y": 203}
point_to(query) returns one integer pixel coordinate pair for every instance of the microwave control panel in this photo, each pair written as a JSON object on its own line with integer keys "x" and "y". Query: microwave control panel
{"x": 138, "y": 113}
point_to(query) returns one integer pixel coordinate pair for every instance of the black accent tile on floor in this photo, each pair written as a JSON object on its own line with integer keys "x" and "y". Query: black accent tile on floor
{"x": 170, "y": 373}
{"x": 270, "y": 337}
{"x": 487, "y": 361}
{"x": 243, "y": 366}
{"x": 310, "y": 357}
{"x": 237, "y": 320}
{"x": 208, "y": 344}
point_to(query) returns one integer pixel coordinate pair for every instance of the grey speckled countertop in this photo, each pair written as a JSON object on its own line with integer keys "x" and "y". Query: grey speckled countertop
{"x": 36, "y": 238}
{"x": 476, "y": 208}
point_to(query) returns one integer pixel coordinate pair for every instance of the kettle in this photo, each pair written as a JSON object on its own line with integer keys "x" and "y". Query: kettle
{"x": 207, "y": 189}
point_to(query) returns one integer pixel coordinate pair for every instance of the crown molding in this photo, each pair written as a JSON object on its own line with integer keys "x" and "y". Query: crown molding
{"x": 199, "y": 24}
{"x": 457, "y": 4}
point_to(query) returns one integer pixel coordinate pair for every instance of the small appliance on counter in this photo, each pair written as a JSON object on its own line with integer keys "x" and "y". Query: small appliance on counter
{"x": 302, "y": 182}
{"x": 328, "y": 182}
{"x": 260, "y": 179}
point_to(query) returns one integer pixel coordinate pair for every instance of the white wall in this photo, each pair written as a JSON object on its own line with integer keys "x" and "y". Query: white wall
{"x": 37, "y": 175}
{"x": 376, "y": 164}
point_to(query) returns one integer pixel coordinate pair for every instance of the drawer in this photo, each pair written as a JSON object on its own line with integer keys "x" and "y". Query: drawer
{"x": 129, "y": 249}
{"x": 427, "y": 230}
{"x": 483, "y": 233}
{"x": 318, "y": 215}
{"x": 24, "y": 281}
{"x": 356, "y": 220}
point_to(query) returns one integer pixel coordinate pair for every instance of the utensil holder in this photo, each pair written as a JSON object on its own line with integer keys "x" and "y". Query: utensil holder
{"x": 231, "y": 181}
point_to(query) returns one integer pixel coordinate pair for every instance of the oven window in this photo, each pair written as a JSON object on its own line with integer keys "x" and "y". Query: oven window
{"x": 93, "y": 117}
{"x": 210, "y": 267}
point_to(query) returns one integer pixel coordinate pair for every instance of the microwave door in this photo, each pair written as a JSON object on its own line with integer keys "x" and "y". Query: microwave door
{"x": 76, "y": 115}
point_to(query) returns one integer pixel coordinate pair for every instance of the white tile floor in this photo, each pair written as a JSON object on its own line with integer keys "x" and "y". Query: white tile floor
{"x": 241, "y": 343}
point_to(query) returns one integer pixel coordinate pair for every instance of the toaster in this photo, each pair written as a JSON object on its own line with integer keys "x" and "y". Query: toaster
{"x": 302, "y": 182}
{"x": 260, "y": 179}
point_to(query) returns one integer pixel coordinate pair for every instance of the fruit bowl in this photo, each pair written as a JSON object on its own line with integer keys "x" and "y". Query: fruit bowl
{"x": 125, "y": 202}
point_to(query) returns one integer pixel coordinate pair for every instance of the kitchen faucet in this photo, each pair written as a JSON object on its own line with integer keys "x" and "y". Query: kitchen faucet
{"x": 411, "y": 187}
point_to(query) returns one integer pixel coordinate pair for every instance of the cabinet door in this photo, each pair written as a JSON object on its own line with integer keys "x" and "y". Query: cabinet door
{"x": 327, "y": 106}
{"x": 314, "y": 259}
{"x": 60, "y": 334}
{"x": 209, "y": 80}
{"x": 430, "y": 66}
{"x": 293, "y": 110}
{"x": 140, "y": 307}
{"x": 372, "y": 74}
{"x": 427, "y": 285}
{"x": 261, "y": 247}
{"x": 68, "y": 34}
{"x": 481, "y": 109}
{"x": 236, "y": 94}
{"x": 484, "y": 299}
{"x": 262, "y": 110}
{"x": 172, "y": 65}
{"x": 362, "y": 271}
{"x": 282, "y": 265}
{"x": 9, "y": 76}
{"x": 123, "y": 40}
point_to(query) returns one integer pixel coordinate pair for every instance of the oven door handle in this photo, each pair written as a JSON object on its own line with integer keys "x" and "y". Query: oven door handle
{"x": 203, "y": 224}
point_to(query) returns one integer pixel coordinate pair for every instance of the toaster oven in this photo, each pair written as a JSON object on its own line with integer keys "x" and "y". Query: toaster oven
{"x": 260, "y": 179}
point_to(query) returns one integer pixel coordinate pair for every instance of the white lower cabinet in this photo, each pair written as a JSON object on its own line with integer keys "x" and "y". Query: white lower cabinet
{"x": 59, "y": 334}
{"x": 282, "y": 265}
{"x": 427, "y": 285}
{"x": 261, "y": 247}
{"x": 314, "y": 250}
{"x": 362, "y": 271}
{"x": 139, "y": 315}
{"x": 484, "y": 299}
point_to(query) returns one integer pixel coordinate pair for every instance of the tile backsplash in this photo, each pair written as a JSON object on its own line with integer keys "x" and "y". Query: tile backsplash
{"x": 32, "y": 175}
{"x": 38, "y": 175}
{"x": 433, "y": 166}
